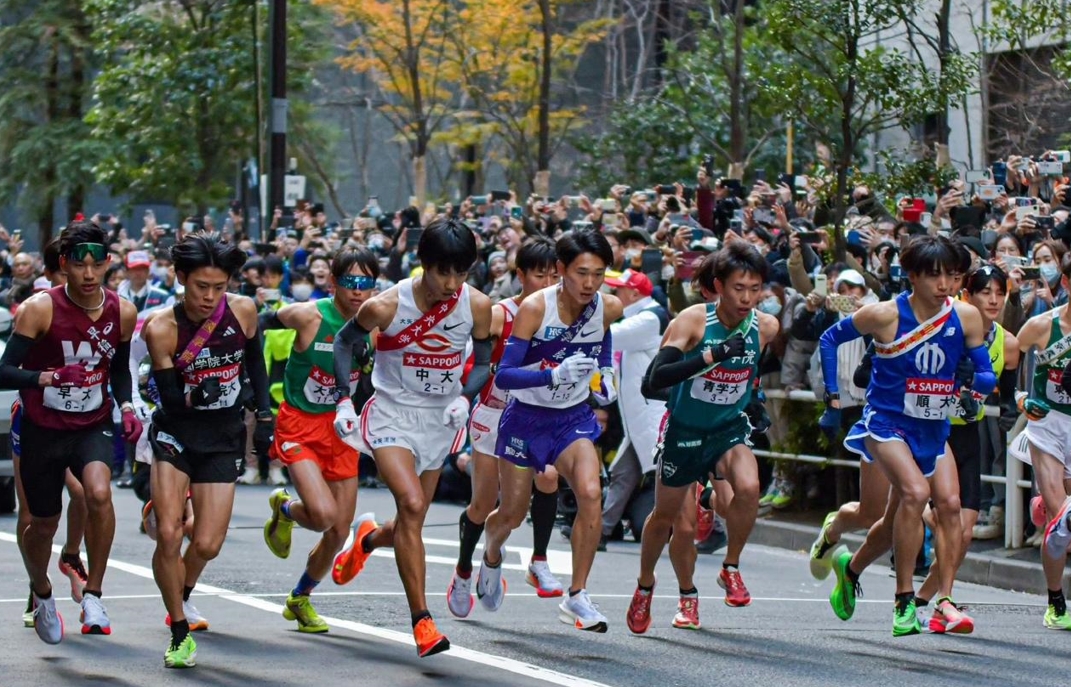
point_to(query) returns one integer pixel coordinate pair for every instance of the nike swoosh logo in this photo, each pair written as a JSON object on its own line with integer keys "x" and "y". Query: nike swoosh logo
{"x": 452, "y": 326}
{"x": 593, "y": 332}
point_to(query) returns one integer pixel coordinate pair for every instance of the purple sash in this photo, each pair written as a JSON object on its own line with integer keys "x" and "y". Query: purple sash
{"x": 193, "y": 348}
{"x": 554, "y": 349}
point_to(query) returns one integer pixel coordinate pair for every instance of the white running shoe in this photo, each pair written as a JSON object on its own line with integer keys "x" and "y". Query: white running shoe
{"x": 579, "y": 611}
{"x": 276, "y": 477}
{"x": 1058, "y": 533}
{"x": 459, "y": 596}
{"x": 77, "y": 576}
{"x": 94, "y": 617}
{"x": 546, "y": 584}
{"x": 489, "y": 587}
{"x": 47, "y": 621}
{"x": 198, "y": 623}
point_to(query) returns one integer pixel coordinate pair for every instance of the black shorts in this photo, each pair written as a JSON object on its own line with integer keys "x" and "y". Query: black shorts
{"x": 202, "y": 468}
{"x": 966, "y": 444}
{"x": 46, "y": 454}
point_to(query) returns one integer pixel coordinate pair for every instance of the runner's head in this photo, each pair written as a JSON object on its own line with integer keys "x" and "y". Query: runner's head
{"x": 536, "y": 264}
{"x": 986, "y": 288}
{"x": 447, "y": 251}
{"x": 51, "y": 257}
{"x": 204, "y": 265}
{"x": 354, "y": 273}
{"x": 736, "y": 274}
{"x": 583, "y": 258}
{"x": 934, "y": 265}
{"x": 84, "y": 256}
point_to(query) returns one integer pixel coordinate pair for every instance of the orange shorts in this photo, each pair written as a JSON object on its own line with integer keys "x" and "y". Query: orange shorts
{"x": 303, "y": 436}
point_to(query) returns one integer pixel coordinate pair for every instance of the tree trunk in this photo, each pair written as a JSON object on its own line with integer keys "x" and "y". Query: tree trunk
{"x": 737, "y": 125}
{"x": 76, "y": 195}
{"x": 47, "y": 213}
{"x": 943, "y": 53}
{"x": 543, "y": 154}
{"x": 468, "y": 187}
{"x": 541, "y": 183}
{"x": 736, "y": 170}
{"x": 662, "y": 36}
{"x": 420, "y": 180}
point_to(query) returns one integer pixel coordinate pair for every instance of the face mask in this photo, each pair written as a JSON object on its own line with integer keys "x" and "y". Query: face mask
{"x": 1050, "y": 272}
{"x": 630, "y": 255}
{"x": 159, "y": 273}
{"x": 770, "y": 306}
{"x": 301, "y": 292}
{"x": 668, "y": 272}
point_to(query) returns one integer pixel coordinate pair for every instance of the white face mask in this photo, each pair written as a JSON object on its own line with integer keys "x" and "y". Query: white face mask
{"x": 770, "y": 306}
{"x": 301, "y": 292}
{"x": 159, "y": 272}
{"x": 630, "y": 255}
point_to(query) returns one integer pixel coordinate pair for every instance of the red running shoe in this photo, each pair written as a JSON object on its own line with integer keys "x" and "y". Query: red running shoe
{"x": 687, "y": 617}
{"x": 429, "y": 641}
{"x": 351, "y": 561}
{"x": 639, "y": 611}
{"x": 736, "y": 594}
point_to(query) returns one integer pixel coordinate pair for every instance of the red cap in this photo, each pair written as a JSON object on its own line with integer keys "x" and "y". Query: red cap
{"x": 138, "y": 258}
{"x": 633, "y": 280}
{"x": 79, "y": 217}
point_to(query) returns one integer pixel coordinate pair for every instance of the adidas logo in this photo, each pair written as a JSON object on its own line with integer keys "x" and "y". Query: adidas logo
{"x": 230, "y": 330}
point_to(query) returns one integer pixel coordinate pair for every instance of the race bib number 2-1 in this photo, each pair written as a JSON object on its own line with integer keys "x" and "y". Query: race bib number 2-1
{"x": 433, "y": 374}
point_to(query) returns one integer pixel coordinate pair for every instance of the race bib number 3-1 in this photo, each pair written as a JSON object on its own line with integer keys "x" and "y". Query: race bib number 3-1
{"x": 429, "y": 373}
{"x": 76, "y": 399}
{"x": 721, "y": 387}
{"x": 320, "y": 386}
{"x": 928, "y": 399}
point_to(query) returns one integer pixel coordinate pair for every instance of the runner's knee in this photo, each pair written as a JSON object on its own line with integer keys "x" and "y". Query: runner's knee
{"x": 321, "y": 516}
{"x": 914, "y": 496}
{"x": 207, "y": 548}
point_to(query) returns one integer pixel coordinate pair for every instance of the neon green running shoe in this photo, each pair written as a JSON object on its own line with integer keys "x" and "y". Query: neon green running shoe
{"x": 182, "y": 656}
{"x": 905, "y": 619}
{"x": 300, "y": 608}
{"x": 279, "y": 528}
{"x": 842, "y": 598}
{"x": 823, "y": 551}
{"x": 1057, "y": 622}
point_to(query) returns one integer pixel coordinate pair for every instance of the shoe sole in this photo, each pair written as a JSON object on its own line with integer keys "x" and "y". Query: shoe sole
{"x": 199, "y": 626}
{"x": 599, "y": 627}
{"x": 307, "y": 629}
{"x": 436, "y": 648}
{"x": 96, "y": 630}
{"x": 685, "y": 626}
{"x": 841, "y": 583}
{"x": 505, "y": 588}
{"x": 540, "y": 591}
{"x": 907, "y": 633}
{"x": 188, "y": 663}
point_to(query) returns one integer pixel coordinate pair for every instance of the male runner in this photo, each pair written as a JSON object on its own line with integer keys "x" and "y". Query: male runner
{"x": 919, "y": 339}
{"x": 560, "y": 338}
{"x": 199, "y": 350}
{"x": 412, "y": 420}
{"x": 322, "y": 467}
{"x": 710, "y": 357}
{"x": 56, "y": 358}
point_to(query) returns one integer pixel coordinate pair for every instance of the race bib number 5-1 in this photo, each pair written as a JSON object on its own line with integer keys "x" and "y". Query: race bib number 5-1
{"x": 429, "y": 373}
{"x": 928, "y": 399}
{"x": 721, "y": 387}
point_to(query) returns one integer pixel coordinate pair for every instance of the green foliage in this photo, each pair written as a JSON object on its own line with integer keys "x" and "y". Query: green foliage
{"x": 900, "y": 175}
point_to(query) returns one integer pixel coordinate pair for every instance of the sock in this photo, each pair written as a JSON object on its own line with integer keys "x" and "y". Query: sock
{"x": 904, "y": 598}
{"x": 49, "y": 595}
{"x": 645, "y": 590}
{"x": 705, "y": 498}
{"x": 420, "y": 615}
{"x": 730, "y": 566}
{"x": 1057, "y": 601}
{"x": 366, "y": 543}
{"x": 93, "y": 592}
{"x": 179, "y": 630}
{"x": 285, "y": 508}
{"x": 186, "y": 591}
{"x": 544, "y": 512}
{"x": 469, "y": 534}
{"x": 690, "y": 592}
{"x": 305, "y": 585}
{"x": 921, "y": 603}
{"x": 572, "y": 593}
{"x": 852, "y": 575}
{"x": 71, "y": 558}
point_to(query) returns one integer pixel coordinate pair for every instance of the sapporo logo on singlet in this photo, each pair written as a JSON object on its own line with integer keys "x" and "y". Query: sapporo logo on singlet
{"x": 432, "y": 372}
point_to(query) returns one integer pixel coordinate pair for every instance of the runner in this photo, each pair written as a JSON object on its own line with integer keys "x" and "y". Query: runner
{"x": 198, "y": 348}
{"x": 919, "y": 339}
{"x": 560, "y": 338}
{"x": 536, "y": 269}
{"x": 322, "y": 467}
{"x": 56, "y": 359}
{"x": 412, "y": 421}
{"x": 710, "y": 357}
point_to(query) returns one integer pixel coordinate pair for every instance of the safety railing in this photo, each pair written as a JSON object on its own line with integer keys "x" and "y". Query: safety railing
{"x": 1012, "y": 479}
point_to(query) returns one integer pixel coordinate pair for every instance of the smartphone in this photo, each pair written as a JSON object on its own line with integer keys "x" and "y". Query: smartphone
{"x": 607, "y": 204}
{"x": 480, "y": 200}
{"x": 841, "y": 303}
{"x": 516, "y": 212}
{"x": 810, "y": 236}
{"x": 990, "y": 191}
{"x": 708, "y": 165}
{"x": 912, "y": 215}
{"x": 989, "y": 238}
{"x": 412, "y": 238}
{"x": 272, "y": 295}
{"x": 735, "y": 187}
{"x": 651, "y": 263}
{"x": 1000, "y": 173}
{"x": 787, "y": 179}
{"x": 16, "y": 235}
{"x": 264, "y": 248}
{"x": 1031, "y": 272}
{"x": 821, "y": 285}
{"x": 609, "y": 219}
{"x": 736, "y": 225}
{"x": 1044, "y": 223}
{"x": 854, "y": 238}
{"x": 760, "y": 175}
{"x": 690, "y": 261}
{"x": 974, "y": 176}
{"x": 500, "y": 195}
{"x": 1051, "y": 168}
{"x": 968, "y": 216}
{"x": 1025, "y": 211}
{"x": 1063, "y": 156}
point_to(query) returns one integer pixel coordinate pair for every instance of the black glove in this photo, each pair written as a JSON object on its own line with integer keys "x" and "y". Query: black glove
{"x": 206, "y": 393}
{"x": 263, "y": 436}
{"x": 964, "y": 376}
{"x": 757, "y": 416}
{"x": 733, "y": 347}
{"x": 969, "y": 405}
{"x": 1008, "y": 418}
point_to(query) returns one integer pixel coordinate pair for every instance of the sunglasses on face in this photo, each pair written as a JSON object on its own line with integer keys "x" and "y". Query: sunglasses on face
{"x": 80, "y": 251}
{"x": 357, "y": 282}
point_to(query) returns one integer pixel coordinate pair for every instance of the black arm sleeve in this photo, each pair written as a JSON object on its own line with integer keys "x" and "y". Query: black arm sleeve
{"x": 270, "y": 320}
{"x": 169, "y": 385}
{"x": 257, "y": 370}
{"x": 119, "y": 370}
{"x": 1009, "y": 411}
{"x": 12, "y": 376}
{"x": 668, "y": 367}
{"x": 351, "y": 335}
{"x": 861, "y": 376}
{"x": 481, "y": 368}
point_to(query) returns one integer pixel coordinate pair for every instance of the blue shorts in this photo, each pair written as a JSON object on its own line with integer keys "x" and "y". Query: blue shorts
{"x": 534, "y": 437}
{"x": 16, "y": 429}
{"x": 924, "y": 438}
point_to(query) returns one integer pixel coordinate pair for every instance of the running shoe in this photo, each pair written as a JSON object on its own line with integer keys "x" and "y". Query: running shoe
{"x": 579, "y": 611}
{"x": 94, "y": 617}
{"x": 772, "y": 490}
{"x": 687, "y": 617}
{"x": 736, "y": 594}
{"x": 459, "y": 597}
{"x": 27, "y": 615}
{"x": 704, "y": 517}
{"x": 279, "y": 529}
{"x": 842, "y": 598}
{"x": 300, "y": 608}
{"x": 350, "y": 562}
{"x": 1058, "y": 533}
{"x": 490, "y": 589}
{"x": 546, "y": 584}
{"x": 429, "y": 641}
{"x": 1057, "y": 622}
{"x": 824, "y": 551}
{"x": 198, "y": 623}
{"x": 638, "y": 617}
{"x": 905, "y": 619}
{"x": 76, "y": 573}
{"x": 148, "y": 520}
{"x": 182, "y": 656}
{"x": 948, "y": 617}
{"x": 1038, "y": 513}
{"x": 47, "y": 621}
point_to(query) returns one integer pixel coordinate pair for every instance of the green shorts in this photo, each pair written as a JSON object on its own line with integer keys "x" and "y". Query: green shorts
{"x": 687, "y": 455}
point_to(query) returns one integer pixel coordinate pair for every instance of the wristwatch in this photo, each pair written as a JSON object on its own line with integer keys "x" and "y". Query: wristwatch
{"x": 831, "y": 397}
{"x": 265, "y": 415}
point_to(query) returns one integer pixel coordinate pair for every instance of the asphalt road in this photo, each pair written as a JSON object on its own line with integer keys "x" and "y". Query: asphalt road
{"x": 788, "y": 636}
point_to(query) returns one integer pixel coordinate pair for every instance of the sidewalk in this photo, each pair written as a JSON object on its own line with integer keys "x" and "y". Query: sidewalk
{"x": 986, "y": 563}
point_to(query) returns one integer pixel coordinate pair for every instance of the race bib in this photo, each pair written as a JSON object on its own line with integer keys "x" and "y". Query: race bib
{"x": 77, "y": 399}
{"x": 721, "y": 387}
{"x": 436, "y": 374}
{"x": 1054, "y": 391}
{"x": 230, "y": 382}
{"x": 320, "y": 386}
{"x": 928, "y": 399}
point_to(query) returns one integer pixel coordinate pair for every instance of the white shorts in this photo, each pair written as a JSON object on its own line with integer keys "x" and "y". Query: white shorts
{"x": 420, "y": 430}
{"x": 1052, "y": 435}
{"x": 483, "y": 428}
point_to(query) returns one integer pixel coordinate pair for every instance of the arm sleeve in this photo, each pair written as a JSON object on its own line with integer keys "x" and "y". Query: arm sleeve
{"x": 606, "y": 353}
{"x": 985, "y": 380}
{"x": 1007, "y": 393}
{"x": 169, "y": 386}
{"x": 510, "y": 375}
{"x": 840, "y": 333}
{"x": 119, "y": 370}
{"x": 270, "y": 320}
{"x": 669, "y": 367}
{"x": 861, "y": 376}
{"x": 481, "y": 368}
{"x": 258, "y": 374}
{"x": 349, "y": 336}
{"x": 12, "y": 376}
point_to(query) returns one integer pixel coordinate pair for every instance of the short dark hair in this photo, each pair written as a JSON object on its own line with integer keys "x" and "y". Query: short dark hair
{"x": 345, "y": 260}
{"x": 51, "y": 255}
{"x": 273, "y": 264}
{"x": 736, "y": 256}
{"x": 536, "y": 253}
{"x": 983, "y": 276}
{"x": 577, "y": 242}
{"x": 447, "y": 245}
{"x": 931, "y": 254}
{"x": 199, "y": 250}
{"x": 82, "y": 231}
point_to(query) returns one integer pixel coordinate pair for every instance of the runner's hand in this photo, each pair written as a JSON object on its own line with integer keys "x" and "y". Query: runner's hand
{"x": 70, "y": 375}
{"x": 575, "y": 368}
{"x": 969, "y": 404}
{"x": 456, "y": 415}
{"x": 733, "y": 347}
{"x": 206, "y": 393}
{"x": 1033, "y": 408}
{"x": 607, "y": 392}
{"x": 345, "y": 418}
{"x": 263, "y": 436}
{"x": 131, "y": 426}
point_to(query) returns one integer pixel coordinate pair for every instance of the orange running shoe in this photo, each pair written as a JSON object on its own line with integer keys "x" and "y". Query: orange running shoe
{"x": 350, "y": 562}
{"x": 429, "y": 641}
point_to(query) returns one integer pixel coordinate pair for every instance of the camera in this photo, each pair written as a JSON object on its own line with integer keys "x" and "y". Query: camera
{"x": 1051, "y": 168}
{"x": 666, "y": 189}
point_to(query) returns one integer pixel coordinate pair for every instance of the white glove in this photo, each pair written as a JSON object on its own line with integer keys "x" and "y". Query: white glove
{"x": 456, "y": 415}
{"x": 575, "y": 368}
{"x": 608, "y": 388}
{"x": 345, "y": 418}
